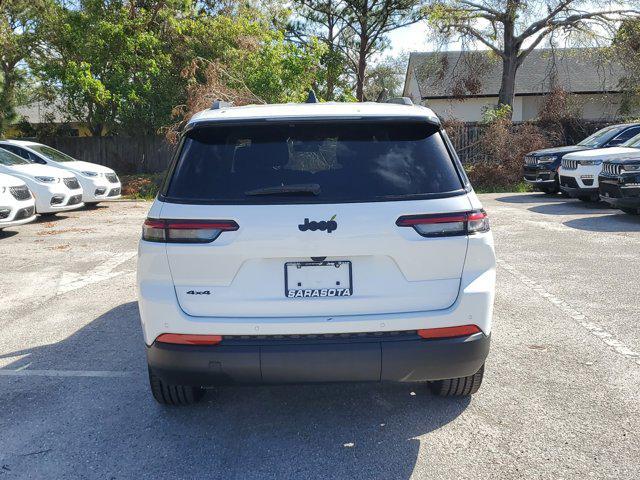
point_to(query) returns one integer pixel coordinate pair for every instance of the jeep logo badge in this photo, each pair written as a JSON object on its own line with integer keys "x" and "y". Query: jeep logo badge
{"x": 329, "y": 225}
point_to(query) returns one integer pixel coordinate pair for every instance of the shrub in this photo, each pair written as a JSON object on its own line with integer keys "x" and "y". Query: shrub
{"x": 504, "y": 145}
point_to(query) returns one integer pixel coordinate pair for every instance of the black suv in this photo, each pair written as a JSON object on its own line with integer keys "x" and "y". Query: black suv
{"x": 541, "y": 166}
{"x": 619, "y": 184}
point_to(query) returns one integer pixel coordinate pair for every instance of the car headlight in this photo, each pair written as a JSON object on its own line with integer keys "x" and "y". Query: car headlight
{"x": 590, "y": 162}
{"x": 47, "y": 179}
{"x": 548, "y": 159}
{"x": 631, "y": 168}
{"x": 90, "y": 174}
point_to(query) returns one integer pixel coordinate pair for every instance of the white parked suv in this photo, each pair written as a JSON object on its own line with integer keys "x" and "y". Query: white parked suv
{"x": 317, "y": 242}
{"x": 99, "y": 183}
{"x": 55, "y": 190}
{"x": 17, "y": 205}
{"x": 579, "y": 171}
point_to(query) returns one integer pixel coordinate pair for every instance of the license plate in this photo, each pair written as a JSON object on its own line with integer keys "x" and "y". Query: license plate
{"x": 318, "y": 279}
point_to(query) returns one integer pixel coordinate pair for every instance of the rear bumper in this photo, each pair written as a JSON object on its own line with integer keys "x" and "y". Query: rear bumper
{"x": 403, "y": 357}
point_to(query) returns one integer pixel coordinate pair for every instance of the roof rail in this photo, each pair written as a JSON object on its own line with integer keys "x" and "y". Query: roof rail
{"x": 311, "y": 98}
{"x": 399, "y": 100}
{"x": 218, "y": 104}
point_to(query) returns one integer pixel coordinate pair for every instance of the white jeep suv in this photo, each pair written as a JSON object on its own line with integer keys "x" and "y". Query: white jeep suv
{"x": 99, "y": 183}
{"x": 579, "y": 171}
{"x": 17, "y": 205}
{"x": 317, "y": 242}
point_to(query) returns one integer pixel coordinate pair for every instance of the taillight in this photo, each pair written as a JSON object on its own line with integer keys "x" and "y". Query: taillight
{"x": 185, "y": 231}
{"x": 187, "y": 339}
{"x": 447, "y": 224}
{"x": 449, "y": 332}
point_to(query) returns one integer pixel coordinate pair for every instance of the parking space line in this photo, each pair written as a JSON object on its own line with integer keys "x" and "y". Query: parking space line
{"x": 580, "y": 318}
{"x": 66, "y": 373}
{"x": 73, "y": 281}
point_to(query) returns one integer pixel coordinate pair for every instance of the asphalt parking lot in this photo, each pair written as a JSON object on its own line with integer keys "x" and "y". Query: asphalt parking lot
{"x": 560, "y": 397}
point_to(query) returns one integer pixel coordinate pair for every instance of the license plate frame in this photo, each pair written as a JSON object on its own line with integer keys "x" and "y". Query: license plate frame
{"x": 328, "y": 291}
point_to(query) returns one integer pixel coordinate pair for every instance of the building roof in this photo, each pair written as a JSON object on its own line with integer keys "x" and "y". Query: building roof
{"x": 41, "y": 112}
{"x": 313, "y": 111}
{"x": 478, "y": 73}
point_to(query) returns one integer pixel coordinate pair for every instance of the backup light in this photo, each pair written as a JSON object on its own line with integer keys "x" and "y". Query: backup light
{"x": 185, "y": 231}
{"x": 447, "y": 224}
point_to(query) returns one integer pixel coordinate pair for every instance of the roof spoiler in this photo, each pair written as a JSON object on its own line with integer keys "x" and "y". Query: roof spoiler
{"x": 399, "y": 100}
{"x": 218, "y": 104}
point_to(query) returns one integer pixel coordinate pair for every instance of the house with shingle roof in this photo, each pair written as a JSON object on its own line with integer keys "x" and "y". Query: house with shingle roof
{"x": 462, "y": 85}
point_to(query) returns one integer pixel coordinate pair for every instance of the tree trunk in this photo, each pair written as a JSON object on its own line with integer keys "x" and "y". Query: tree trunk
{"x": 331, "y": 70}
{"x": 362, "y": 67}
{"x": 508, "y": 81}
{"x": 510, "y": 62}
{"x": 7, "y": 97}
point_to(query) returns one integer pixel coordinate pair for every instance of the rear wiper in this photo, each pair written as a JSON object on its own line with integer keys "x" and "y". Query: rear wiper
{"x": 303, "y": 188}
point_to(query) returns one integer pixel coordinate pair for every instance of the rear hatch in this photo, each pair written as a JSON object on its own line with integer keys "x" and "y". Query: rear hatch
{"x": 316, "y": 206}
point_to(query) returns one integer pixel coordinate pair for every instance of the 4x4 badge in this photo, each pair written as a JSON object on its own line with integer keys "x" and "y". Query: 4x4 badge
{"x": 329, "y": 225}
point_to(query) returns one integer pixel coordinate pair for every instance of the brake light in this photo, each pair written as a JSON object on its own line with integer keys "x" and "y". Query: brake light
{"x": 449, "y": 332}
{"x": 185, "y": 231}
{"x": 447, "y": 224}
{"x": 186, "y": 339}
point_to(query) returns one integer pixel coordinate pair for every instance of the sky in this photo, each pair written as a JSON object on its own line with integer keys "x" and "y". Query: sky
{"x": 413, "y": 38}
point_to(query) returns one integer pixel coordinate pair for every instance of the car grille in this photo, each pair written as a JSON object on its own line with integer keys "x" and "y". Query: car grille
{"x": 111, "y": 177}
{"x": 25, "y": 213}
{"x": 568, "y": 182}
{"x": 570, "y": 164}
{"x": 20, "y": 193}
{"x": 4, "y": 213}
{"x": 74, "y": 200}
{"x": 530, "y": 160}
{"x": 72, "y": 183}
{"x": 114, "y": 193}
{"x": 612, "y": 169}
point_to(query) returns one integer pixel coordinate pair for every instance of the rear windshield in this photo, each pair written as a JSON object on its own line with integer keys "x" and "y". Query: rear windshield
{"x": 312, "y": 163}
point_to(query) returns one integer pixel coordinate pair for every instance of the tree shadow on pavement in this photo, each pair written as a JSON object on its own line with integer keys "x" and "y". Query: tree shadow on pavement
{"x": 534, "y": 197}
{"x": 112, "y": 427}
{"x": 575, "y": 207}
{"x": 8, "y": 233}
{"x": 607, "y": 223}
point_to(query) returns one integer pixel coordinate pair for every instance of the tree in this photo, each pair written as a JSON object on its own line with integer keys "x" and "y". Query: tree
{"x": 368, "y": 22}
{"x": 123, "y": 66}
{"x": 513, "y": 28}
{"x": 626, "y": 52}
{"x": 109, "y": 63}
{"x": 322, "y": 19}
{"x": 18, "y": 42}
{"x": 386, "y": 78}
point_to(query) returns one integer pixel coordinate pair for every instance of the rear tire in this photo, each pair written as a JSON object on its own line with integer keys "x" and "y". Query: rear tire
{"x": 458, "y": 387}
{"x": 176, "y": 395}
{"x": 631, "y": 211}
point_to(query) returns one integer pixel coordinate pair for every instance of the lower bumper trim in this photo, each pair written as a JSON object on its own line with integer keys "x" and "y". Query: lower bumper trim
{"x": 579, "y": 192}
{"x": 409, "y": 359}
